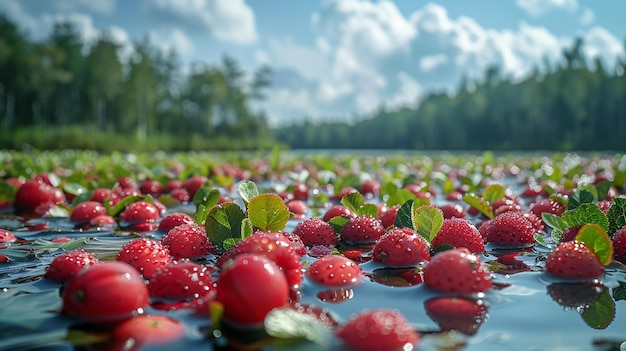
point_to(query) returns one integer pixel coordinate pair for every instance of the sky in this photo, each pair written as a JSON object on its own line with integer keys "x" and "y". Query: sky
{"x": 345, "y": 59}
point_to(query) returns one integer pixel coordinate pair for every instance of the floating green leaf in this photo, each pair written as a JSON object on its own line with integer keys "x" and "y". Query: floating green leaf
{"x": 600, "y": 313}
{"x": 246, "y": 228}
{"x": 540, "y": 240}
{"x": 479, "y": 203}
{"x": 247, "y": 190}
{"x": 353, "y": 201}
{"x": 603, "y": 188}
{"x": 338, "y": 222}
{"x": 292, "y": 327}
{"x": 619, "y": 293}
{"x": 205, "y": 199}
{"x": 584, "y": 214}
{"x": 223, "y": 222}
{"x": 399, "y": 197}
{"x": 597, "y": 240}
{"x": 617, "y": 214}
{"x": 494, "y": 192}
{"x": 579, "y": 197}
{"x": 268, "y": 212}
{"x": 427, "y": 220}
{"x": 404, "y": 217}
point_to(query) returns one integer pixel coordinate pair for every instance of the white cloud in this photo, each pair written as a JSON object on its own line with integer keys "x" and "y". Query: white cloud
{"x": 172, "y": 39}
{"x": 587, "y": 17}
{"x": 537, "y": 8}
{"x": 14, "y": 10}
{"x": 599, "y": 43}
{"x": 366, "y": 54}
{"x": 227, "y": 20}
{"x": 431, "y": 62}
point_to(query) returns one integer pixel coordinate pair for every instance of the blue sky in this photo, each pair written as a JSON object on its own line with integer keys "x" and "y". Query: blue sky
{"x": 336, "y": 59}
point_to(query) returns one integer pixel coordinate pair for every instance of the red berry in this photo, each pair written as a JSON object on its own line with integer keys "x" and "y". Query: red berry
{"x": 150, "y": 187}
{"x": 457, "y": 271}
{"x": 338, "y": 210}
{"x": 136, "y": 215}
{"x": 65, "y": 266}
{"x": 547, "y": 205}
{"x": 300, "y": 191}
{"x": 574, "y": 260}
{"x": 145, "y": 255}
{"x": 570, "y": 233}
{"x": 274, "y": 246}
{"x": 85, "y": 211}
{"x": 100, "y": 195}
{"x": 363, "y": 229}
{"x": 249, "y": 287}
{"x": 181, "y": 281}
{"x": 188, "y": 241}
{"x": 145, "y": 330}
{"x": 459, "y": 232}
{"x": 456, "y": 313}
{"x": 35, "y": 193}
{"x": 370, "y": 187}
{"x": 173, "y": 219}
{"x": 193, "y": 184}
{"x": 619, "y": 245}
{"x": 6, "y": 237}
{"x": 511, "y": 229}
{"x": 401, "y": 247}
{"x": 453, "y": 211}
{"x": 380, "y": 329}
{"x": 388, "y": 217}
{"x": 314, "y": 231}
{"x": 107, "y": 292}
{"x": 335, "y": 271}
{"x": 298, "y": 207}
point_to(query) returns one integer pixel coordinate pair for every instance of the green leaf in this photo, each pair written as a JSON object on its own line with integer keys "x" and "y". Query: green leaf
{"x": 479, "y": 203}
{"x": 287, "y": 324}
{"x": 600, "y": 313}
{"x": 120, "y": 206}
{"x": 404, "y": 217}
{"x": 427, "y": 219}
{"x": 584, "y": 214}
{"x": 617, "y": 214}
{"x": 247, "y": 190}
{"x": 619, "y": 293}
{"x": 246, "y": 228}
{"x": 579, "y": 197}
{"x": 368, "y": 210}
{"x": 353, "y": 201}
{"x": 399, "y": 197}
{"x": 388, "y": 189}
{"x": 603, "y": 188}
{"x": 540, "y": 240}
{"x": 74, "y": 189}
{"x": 205, "y": 199}
{"x": 494, "y": 192}
{"x": 597, "y": 240}
{"x": 268, "y": 212}
{"x": 553, "y": 221}
{"x": 338, "y": 222}
{"x": 275, "y": 159}
{"x": 224, "y": 221}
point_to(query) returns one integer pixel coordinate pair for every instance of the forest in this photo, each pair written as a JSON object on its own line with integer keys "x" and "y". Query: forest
{"x": 576, "y": 105}
{"x": 61, "y": 93}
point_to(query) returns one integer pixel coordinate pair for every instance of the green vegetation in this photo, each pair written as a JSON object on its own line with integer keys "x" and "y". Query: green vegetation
{"x": 576, "y": 105}
{"x": 61, "y": 93}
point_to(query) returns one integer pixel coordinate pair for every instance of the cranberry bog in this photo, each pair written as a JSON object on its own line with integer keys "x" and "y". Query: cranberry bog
{"x": 249, "y": 275}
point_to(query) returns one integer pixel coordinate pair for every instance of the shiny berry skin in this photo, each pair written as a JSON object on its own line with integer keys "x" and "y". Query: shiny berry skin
{"x": 68, "y": 264}
{"x": 619, "y": 245}
{"x": 85, "y": 211}
{"x": 107, "y": 292}
{"x": 457, "y": 271}
{"x": 574, "y": 260}
{"x": 181, "y": 281}
{"x": 314, "y": 231}
{"x": 188, "y": 241}
{"x": 249, "y": 287}
{"x": 380, "y": 329}
{"x": 459, "y": 232}
{"x": 335, "y": 271}
{"x": 363, "y": 229}
{"x": 173, "y": 219}
{"x": 401, "y": 247}
{"x": 145, "y": 255}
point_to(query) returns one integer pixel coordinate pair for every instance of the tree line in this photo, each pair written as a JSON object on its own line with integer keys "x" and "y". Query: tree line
{"x": 63, "y": 91}
{"x": 578, "y": 104}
